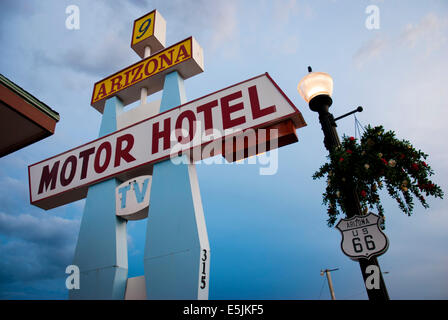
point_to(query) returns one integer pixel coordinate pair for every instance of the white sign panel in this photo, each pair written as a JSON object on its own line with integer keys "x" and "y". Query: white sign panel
{"x": 132, "y": 198}
{"x": 362, "y": 237}
{"x": 255, "y": 103}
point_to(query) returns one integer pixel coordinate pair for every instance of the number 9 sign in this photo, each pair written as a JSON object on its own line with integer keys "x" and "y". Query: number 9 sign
{"x": 149, "y": 30}
{"x": 143, "y": 28}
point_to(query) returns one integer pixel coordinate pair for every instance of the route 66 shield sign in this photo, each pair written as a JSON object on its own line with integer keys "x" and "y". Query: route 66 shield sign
{"x": 362, "y": 237}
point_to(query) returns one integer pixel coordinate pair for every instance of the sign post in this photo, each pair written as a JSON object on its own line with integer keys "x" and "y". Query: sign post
{"x": 101, "y": 251}
{"x": 177, "y": 251}
{"x": 362, "y": 241}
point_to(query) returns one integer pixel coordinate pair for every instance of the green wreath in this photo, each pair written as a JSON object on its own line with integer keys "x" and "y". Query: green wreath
{"x": 377, "y": 161}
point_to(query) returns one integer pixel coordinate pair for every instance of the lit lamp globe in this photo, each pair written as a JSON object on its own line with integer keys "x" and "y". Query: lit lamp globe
{"x": 316, "y": 89}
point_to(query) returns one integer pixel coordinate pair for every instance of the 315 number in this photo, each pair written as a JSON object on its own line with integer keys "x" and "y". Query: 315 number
{"x": 203, "y": 266}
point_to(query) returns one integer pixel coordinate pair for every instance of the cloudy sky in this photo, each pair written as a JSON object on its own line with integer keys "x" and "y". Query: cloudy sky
{"x": 268, "y": 233}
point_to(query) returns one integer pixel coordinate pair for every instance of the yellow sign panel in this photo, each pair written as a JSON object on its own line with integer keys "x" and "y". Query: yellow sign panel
{"x": 143, "y": 28}
{"x": 142, "y": 70}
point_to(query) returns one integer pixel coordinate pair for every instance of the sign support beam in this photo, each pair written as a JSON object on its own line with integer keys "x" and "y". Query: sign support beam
{"x": 177, "y": 251}
{"x": 101, "y": 251}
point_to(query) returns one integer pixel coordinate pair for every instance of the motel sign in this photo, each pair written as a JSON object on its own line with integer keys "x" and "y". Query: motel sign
{"x": 252, "y": 104}
{"x": 128, "y": 172}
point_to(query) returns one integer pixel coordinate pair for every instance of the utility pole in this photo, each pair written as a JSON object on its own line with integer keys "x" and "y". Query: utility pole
{"x": 330, "y": 283}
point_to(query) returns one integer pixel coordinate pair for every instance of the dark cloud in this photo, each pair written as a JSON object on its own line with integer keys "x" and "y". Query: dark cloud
{"x": 34, "y": 249}
{"x": 47, "y": 230}
{"x": 33, "y": 271}
{"x": 36, "y": 246}
{"x": 25, "y": 261}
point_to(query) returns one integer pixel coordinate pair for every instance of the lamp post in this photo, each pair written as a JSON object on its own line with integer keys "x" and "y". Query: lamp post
{"x": 316, "y": 89}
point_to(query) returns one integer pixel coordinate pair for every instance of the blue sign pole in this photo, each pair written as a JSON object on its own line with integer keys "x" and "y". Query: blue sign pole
{"x": 101, "y": 251}
{"x": 177, "y": 251}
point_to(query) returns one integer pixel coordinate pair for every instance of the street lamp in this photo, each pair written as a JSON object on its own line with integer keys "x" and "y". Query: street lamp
{"x": 315, "y": 84}
{"x": 316, "y": 89}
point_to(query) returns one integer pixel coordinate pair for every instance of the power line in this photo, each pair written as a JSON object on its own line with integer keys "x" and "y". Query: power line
{"x": 322, "y": 287}
{"x": 330, "y": 283}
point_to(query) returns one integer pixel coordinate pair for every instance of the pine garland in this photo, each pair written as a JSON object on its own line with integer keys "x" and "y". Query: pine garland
{"x": 377, "y": 161}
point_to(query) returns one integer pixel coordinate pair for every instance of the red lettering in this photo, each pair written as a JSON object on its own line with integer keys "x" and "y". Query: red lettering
{"x": 137, "y": 75}
{"x": 101, "y": 91}
{"x": 189, "y": 115}
{"x": 123, "y": 153}
{"x": 48, "y": 178}
{"x": 169, "y": 61}
{"x": 182, "y": 53}
{"x": 126, "y": 81}
{"x": 155, "y": 63}
{"x": 255, "y": 105}
{"x": 208, "y": 117}
{"x": 96, "y": 165}
{"x": 73, "y": 161}
{"x": 227, "y": 110}
{"x": 157, "y": 134}
{"x": 116, "y": 83}
{"x": 85, "y": 155}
